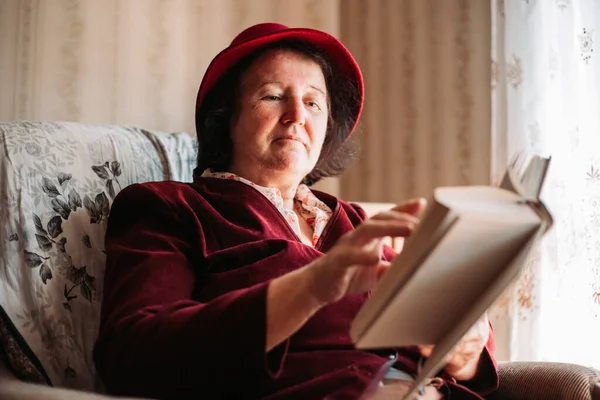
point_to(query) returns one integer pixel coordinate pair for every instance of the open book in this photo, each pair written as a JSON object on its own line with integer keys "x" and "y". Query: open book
{"x": 470, "y": 245}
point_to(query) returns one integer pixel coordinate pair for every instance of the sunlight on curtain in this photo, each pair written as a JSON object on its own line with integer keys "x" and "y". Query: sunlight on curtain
{"x": 546, "y": 99}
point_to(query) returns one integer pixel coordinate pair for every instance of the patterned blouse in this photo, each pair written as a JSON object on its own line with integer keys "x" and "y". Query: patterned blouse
{"x": 314, "y": 211}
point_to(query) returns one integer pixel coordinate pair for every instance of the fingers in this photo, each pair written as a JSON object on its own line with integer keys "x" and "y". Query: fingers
{"x": 461, "y": 362}
{"x": 376, "y": 229}
{"x": 357, "y": 256}
{"x": 399, "y": 221}
{"x": 469, "y": 350}
{"x": 412, "y": 206}
{"x": 393, "y": 215}
{"x": 479, "y": 332}
{"x": 382, "y": 268}
{"x": 355, "y": 263}
{"x": 426, "y": 350}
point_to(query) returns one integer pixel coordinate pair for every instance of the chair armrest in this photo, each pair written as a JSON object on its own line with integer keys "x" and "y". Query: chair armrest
{"x": 11, "y": 388}
{"x": 546, "y": 380}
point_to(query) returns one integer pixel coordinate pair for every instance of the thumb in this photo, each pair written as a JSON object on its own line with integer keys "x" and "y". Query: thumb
{"x": 412, "y": 206}
{"x": 426, "y": 349}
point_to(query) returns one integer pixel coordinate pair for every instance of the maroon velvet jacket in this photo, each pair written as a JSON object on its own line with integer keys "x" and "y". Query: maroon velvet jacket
{"x": 184, "y": 308}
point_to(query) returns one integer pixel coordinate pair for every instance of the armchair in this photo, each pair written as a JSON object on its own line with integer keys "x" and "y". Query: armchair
{"x": 57, "y": 181}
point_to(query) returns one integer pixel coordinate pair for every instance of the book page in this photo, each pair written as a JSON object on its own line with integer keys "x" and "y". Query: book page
{"x": 533, "y": 178}
{"x": 526, "y": 176}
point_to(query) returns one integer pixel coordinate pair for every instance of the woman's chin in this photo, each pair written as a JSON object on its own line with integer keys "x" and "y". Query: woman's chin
{"x": 291, "y": 162}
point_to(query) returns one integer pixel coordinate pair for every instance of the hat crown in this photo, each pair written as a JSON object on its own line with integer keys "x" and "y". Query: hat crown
{"x": 258, "y": 30}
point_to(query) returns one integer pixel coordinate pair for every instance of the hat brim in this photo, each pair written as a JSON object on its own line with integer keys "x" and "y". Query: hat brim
{"x": 342, "y": 60}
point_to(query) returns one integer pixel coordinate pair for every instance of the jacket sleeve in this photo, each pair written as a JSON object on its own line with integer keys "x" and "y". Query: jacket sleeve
{"x": 154, "y": 339}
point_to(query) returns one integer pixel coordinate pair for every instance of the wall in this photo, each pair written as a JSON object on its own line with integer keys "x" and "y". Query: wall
{"x": 427, "y": 109}
{"x": 125, "y": 62}
{"x": 426, "y": 66}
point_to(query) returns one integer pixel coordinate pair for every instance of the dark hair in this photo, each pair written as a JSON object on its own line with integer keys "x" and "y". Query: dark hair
{"x": 221, "y": 105}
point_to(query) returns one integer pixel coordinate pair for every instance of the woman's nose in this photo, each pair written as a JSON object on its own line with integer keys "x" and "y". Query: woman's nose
{"x": 294, "y": 113}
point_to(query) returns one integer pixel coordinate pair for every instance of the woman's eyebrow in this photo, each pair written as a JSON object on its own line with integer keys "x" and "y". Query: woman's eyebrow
{"x": 319, "y": 90}
{"x": 266, "y": 83}
{"x": 270, "y": 83}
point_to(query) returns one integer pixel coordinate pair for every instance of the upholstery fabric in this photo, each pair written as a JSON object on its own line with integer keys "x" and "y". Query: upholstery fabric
{"x": 57, "y": 182}
{"x": 546, "y": 380}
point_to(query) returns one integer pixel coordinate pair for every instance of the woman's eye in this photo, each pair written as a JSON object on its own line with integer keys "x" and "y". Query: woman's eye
{"x": 272, "y": 97}
{"x": 314, "y": 105}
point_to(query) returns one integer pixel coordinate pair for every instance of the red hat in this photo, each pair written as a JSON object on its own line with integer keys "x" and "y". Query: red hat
{"x": 261, "y": 35}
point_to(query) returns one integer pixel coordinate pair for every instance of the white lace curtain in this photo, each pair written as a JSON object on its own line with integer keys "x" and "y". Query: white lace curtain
{"x": 546, "y": 99}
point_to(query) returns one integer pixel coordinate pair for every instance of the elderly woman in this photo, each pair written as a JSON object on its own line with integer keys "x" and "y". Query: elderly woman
{"x": 243, "y": 284}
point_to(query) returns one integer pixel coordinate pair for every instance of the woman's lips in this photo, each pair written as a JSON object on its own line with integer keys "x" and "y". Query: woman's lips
{"x": 292, "y": 138}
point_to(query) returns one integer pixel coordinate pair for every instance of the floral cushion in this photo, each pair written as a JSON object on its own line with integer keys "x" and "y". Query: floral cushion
{"x": 57, "y": 182}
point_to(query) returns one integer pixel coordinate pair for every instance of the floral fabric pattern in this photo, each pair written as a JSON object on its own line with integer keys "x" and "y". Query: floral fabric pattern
{"x": 314, "y": 211}
{"x": 57, "y": 182}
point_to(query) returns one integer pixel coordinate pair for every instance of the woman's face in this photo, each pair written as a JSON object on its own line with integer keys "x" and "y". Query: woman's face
{"x": 282, "y": 116}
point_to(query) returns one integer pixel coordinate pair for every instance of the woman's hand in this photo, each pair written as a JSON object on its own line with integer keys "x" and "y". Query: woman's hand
{"x": 463, "y": 360}
{"x": 354, "y": 264}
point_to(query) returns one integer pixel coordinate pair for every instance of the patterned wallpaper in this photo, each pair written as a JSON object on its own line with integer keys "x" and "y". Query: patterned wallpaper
{"x": 427, "y": 108}
{"x": 426, "y": 65}
{"x": 125, "y": 62}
